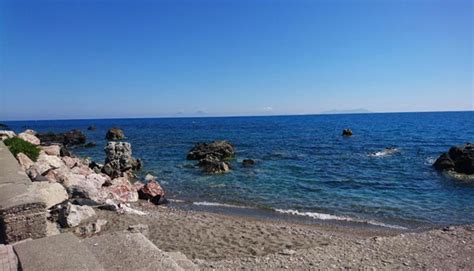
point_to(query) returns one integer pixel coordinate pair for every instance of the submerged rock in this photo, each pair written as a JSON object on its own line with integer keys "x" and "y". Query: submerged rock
{"x": 458, "y": 159}
{"x": 71, "y": 138}
{"x": 248, "y": 162}
{"x": 347, "y": 132}
{"x": 91, "y": 128}
{"x": 90, "y": 145}
{"x": 114, "y": 134}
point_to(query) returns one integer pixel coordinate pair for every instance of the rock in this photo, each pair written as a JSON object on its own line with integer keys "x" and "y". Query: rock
{"x": 91, "y": 128}
{"x": 71, "y": 138}
{"x": 211, "y": 164}
{"x": 125, "y": 209}
{"x": 78, "y": 185}
{"x": 150, "y": 178}
{"x": 90, "y": 145}
{"x": 52, "y": 228}
{"x": 49, "y": 193}
{"x": 4, "y": 134}
{"x": 139, "y": 228}
{"x": 109, "y": 205}
{"x": 50, "y": 161}
{"x": 347, "y": 132}
{"x": 114, "y": 134}
{"x": 24, "y": 161}
{"x": 458, "y": 159}
{"x": 26, "y": 136}
{"x": 86, "y": 202}
{"x": 96, "y": 167}
{"x": 54, "y": 150}
{"x": 4, "y": 126}
{"x": 248, "y": 162}
{"x": 70, "y": 162}
{"x": 91, "y": 228}
{"x": 123, "y": 192}
{"x": 64, "y": 152}
{"x": 119, "y": 159}
{"x": 73, "y": 215}
{"x": 219, "y": 149}
{"x": 151, "y": 191}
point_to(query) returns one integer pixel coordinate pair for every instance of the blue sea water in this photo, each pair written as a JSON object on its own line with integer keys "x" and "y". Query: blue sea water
{"x": 304, "y": 166}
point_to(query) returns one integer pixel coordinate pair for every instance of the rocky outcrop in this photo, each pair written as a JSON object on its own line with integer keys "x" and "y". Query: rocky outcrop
{"x": 114, "y": 134}
{"x": 212, "y": 156}
{"x": 119, "y": 159}
{"x": 458, "y": 159}
{"x": 221, "y": 150}
{"x": 71, "y": 138}
{"x": 347, "y": 132}
{"x": 73, "y": 215}
{"x": 30, "y": 136}
{"x": 152, "y": 191}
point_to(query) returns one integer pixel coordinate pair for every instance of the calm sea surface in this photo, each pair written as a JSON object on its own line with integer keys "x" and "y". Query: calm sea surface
{"x": 304, "y": 166}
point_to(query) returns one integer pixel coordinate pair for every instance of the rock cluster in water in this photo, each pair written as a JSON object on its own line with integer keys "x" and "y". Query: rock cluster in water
{"x": 115, "y": 134}
{"x": 71, "y": 138}
{"x": 458, "y": 159}
{"x": 347, "y": 132}
{"x": 213, "y": 157}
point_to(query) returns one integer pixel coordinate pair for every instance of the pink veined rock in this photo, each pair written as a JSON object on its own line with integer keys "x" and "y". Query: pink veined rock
{"x": 29, "y": 138}
{"x": 123, "y": 191}
{"x": 51, "y": 150}
{"x": 152, "y": 191}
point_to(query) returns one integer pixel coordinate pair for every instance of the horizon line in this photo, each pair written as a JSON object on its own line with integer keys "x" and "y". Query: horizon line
{"x": 239, "y": 116}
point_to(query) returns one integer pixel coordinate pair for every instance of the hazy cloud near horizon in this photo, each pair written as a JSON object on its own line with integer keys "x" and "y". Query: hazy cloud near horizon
{"x": 90, "y": 59}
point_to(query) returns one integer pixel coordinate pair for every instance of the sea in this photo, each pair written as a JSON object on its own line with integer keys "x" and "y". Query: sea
{"x": 305, "y": 168}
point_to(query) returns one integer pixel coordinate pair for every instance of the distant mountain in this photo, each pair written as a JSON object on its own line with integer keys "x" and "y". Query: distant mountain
{"x": 348, "y": 111}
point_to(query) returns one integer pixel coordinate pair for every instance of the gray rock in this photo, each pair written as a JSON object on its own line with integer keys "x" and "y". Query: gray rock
{"x": 73, "y": 215}
{"x": 114, "y": 134}
{"x": 119, "y": 159}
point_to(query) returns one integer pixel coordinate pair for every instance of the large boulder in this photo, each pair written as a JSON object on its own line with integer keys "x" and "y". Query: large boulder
{"x": 52, "y": 150}
{"x": 49, "y": 193}
{"x": 458, "y": 159}
{"x": 29, "y": 137}
{"x": 151, "y": 191}
{"x": 73, "y": 215}
{"x": 114, "y": 134}
{"x": 120, "y": 191}
{"x": 118, "y": 159}
{"x": 71, "y": 138}
{"x": 219, "y": 149}
{"x": 78, "y": 185}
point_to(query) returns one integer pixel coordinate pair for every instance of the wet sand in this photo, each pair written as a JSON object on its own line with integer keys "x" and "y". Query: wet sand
{"x": 218, "y": 241}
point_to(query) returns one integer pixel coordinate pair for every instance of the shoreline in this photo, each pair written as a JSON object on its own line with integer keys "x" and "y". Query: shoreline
{"x": 217, "y": 241}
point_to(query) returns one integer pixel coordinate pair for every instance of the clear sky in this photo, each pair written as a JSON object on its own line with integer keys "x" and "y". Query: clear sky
{"x": 101, "y": 59}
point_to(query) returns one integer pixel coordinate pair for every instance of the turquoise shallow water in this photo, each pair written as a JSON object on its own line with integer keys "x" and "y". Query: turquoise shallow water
{"x": 304, "y": 166}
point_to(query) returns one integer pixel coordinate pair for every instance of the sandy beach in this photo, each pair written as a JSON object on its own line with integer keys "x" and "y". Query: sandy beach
{"x": 222, "y": 242}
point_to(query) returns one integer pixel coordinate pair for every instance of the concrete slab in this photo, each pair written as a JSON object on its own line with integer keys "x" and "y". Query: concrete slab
{"x": 8, "y": 259}
{"x": 59, "y": 252}
{"x": 129, "y": 251}
{"x": 11, "y": 171}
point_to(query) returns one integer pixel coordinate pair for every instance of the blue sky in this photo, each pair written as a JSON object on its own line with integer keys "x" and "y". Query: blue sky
{"x": 101, "y": 59}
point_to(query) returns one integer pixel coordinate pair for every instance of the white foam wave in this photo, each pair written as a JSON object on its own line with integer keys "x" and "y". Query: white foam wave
{"x": 335, "y": 217}
{"x": 216, "y": 204}
{"x": 384, "y": 152}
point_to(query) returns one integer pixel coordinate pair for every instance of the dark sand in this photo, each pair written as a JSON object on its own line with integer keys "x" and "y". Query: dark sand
{"x": 217, "y": 241}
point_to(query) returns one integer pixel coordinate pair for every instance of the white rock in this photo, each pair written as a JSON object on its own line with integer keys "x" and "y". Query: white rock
{"x": 30, "y": 132}
{"x": 123, "y": 208}
{"x": 150, "y": 178}
{"x": 49, "y": 193}
{"x": 73, "y": 215}
{"x": 78, "y": 185}
{"x": 24, "y": 161}
{"x": 29, "y": 138}
{"x": 4, "y": 134}
{"x": 51, "y": 150}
